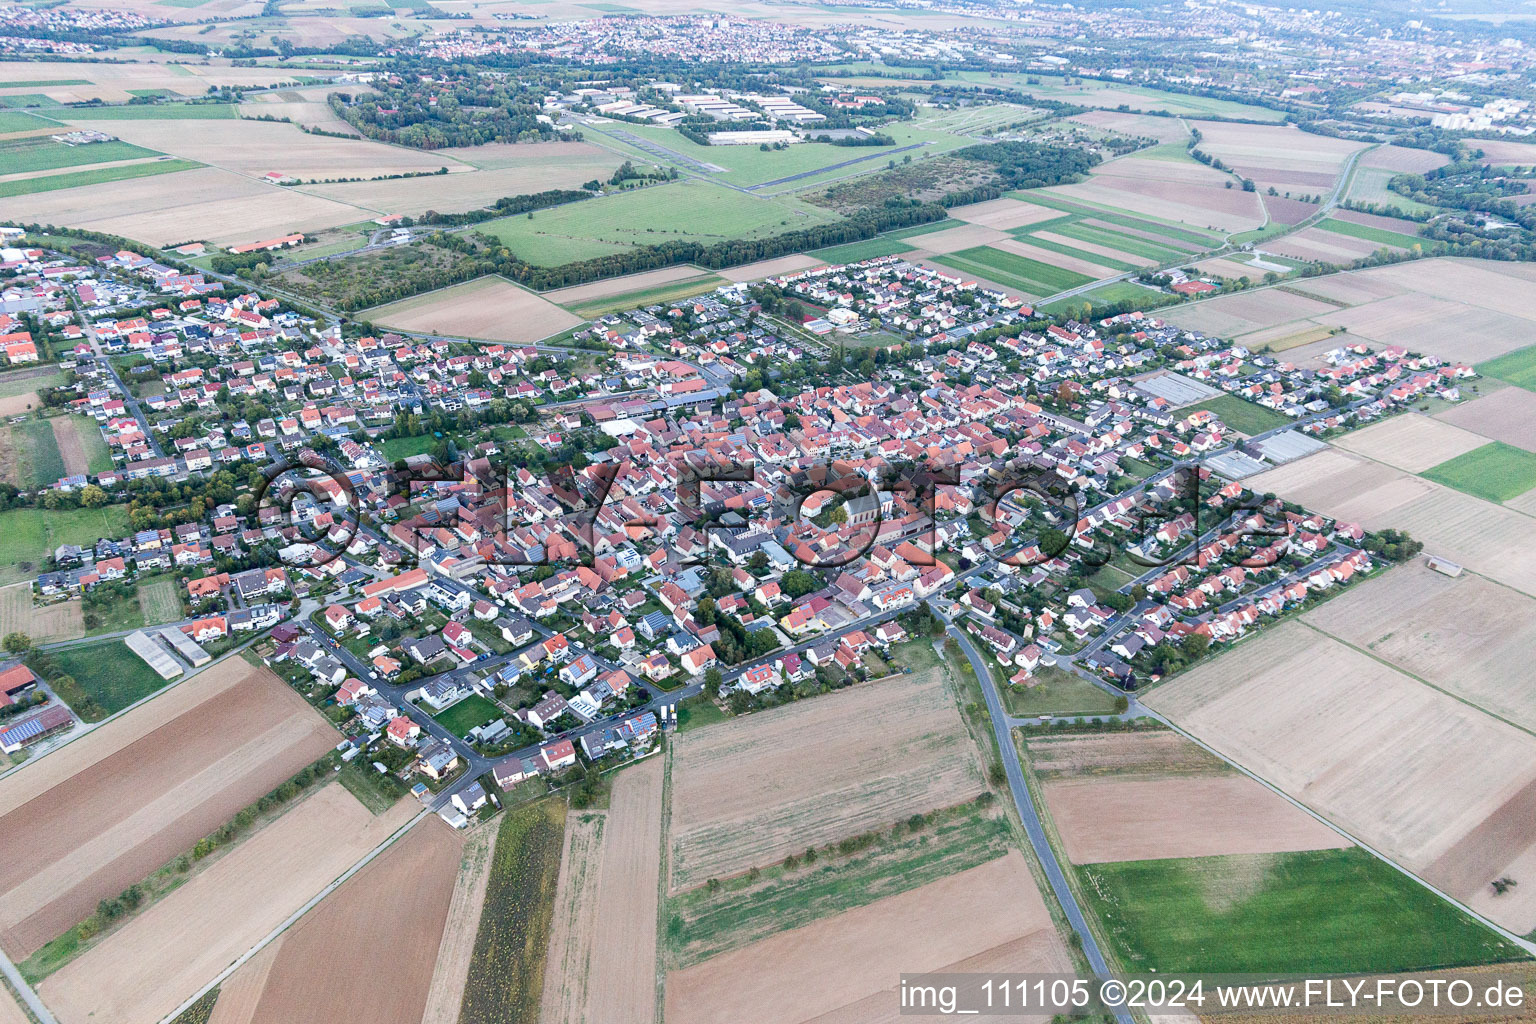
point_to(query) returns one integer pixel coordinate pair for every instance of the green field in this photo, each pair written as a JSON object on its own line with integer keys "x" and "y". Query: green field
{"x": 109, "y": 673}
{"x": 1082, "y": 254}
{"x": 29, "y": 535}
{"x": 41, "y": 153}
{"x": 1496, "y": 471}
{"x": 1517, "y": 368}
{"x": 1115, "y": 291}
{"x": 923, "y": 229}
{"x": 853, "y": 252}
{"x": 506, "y": 969}
{"x": 29, "y": 99}
{"x": 1172, "y": 230}
{"x": 375, "y": 791}
{"x": 1058, "y": 692}
{"x": 1136, "y": 246}
{"x": 687, "y": 210}
{"x": 30, "y": 454}
{"x": 1011, "y": 271}
{"x": 1239, "y": 414}
{"x": 19, "y": 382}
{"x": 20, "y": 121}
{"x": 1369, "y": 185}
{"x": 396, "y": 448}
{"x": 160, "y": 600}
{"x": 1364, "y": 231}
{"x": 670, "y": 292}
{"x": 95, "y": 176}
{"x": 467, "y": 714}
{"x": 1320, "y": 912}
{"x": 1134, "y": 97}
{"x": 152, "y": 112}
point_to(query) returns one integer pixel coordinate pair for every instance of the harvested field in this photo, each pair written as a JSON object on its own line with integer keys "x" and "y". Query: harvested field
{"x": 1503, "y": 152}
{"x": 1411, "y": 441}
{"x": 741, "y": 795}
{"x": 446, "y": 992}
{"x": 15, "y": 405}
{"x": 1080, "y": 755}
{"x": 622, "y": 986}
{"x": 10, "y": 1012}
{"x": 18, "y": 614}
{"x": 1452, "y": 330}
{"x": 256, "y": 147}
{"x": 986, "y": 918}
{"x": 1467, "y": 636}
{"x": 1072, "y": 263}
{"x": 1319, "y": 246}
{"x": 489, "y": 307}
{"x": 208, "y": 203}
{"x": 1288, "y": 211}
{"x": 305, "y": 107}
{"x": 400, "y": 902}
{"x": 1003, "y": 214}
{"x": 568, "y": 969}
{"x": 193, "y": 933}
{"x": 1279, "y": 155}
{"x": 581, "y": 293}
{"x": 1508, "y": 415}
{"x": 1163, "y": 129}
{"x": 1242, "y": 312}
{"x": 110, "y": 808}
{"x": 1354, "y": 287}
{"x": 955, "y": 239}
{"x": 1286, "y": 337}
{"x": 1487, "y": 538}
{"x": 1457, "y": 279}
{"x": 1158, "y": 818}
{"x": 241, "y": 991}
{"x": 71, "y": 445}
{"x": 1402, "y": 159}
{"x": 111, "y": 81}
{"x": 1201, "y": 206}
{"x": 1230, "y": 269}
{"x": 1413, "y": 772}
{"x": 771, "y": 268}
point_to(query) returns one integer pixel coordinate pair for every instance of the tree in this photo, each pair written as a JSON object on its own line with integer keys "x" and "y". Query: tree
{"x": 712, "y": 681}
{"x": 92, "y": 496}
{"x": 17, "y": 643}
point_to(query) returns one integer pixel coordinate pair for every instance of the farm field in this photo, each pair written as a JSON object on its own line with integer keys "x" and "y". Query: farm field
{"x": 506, "y": 972}
{"x": 19, "y": 388}
{"x": 80, "y": 445}
{"x": 1327, "y": 911}
{"x": 855, "y": 252}
{"x": 1379, "y": 236}
{"x": 113, "y": 82}
{"x": 989, "y": 917}
{"x": 674, "y": 292}
{"x": 1013, "y": 271}
{"x": 1058, "y": 692}
{"x": 1411, "y": 441}
{"x": 1508, "y": 415}
{"x": 1282, "y": 156}
{"x": 1496, "y": 472}
{"x": 116, "y": 804}
{"x": 57, "y": 181}
{"x": 771, "y": 268}
{"x": 602, "y": 963}
{"x": 687, "y": 210}
{"x": 20, "y": 156}
{"x": 1427, "y": 779}
{"x": 42, "y": 623}
{"x": 1489, "y": 539}
{"x": 160, "y": 601}
{"x": 1241, "y": 415}
{"x": 616, "y": 287}
{"x": 209, "y": 204}
{"x": 197, "y": 930}
{"x": 28, "y": 536}
{"x": 109, "y": 673}
{"x": 1517, "y": 368}
{"x": 907, "y": 752}
{"x": 488, "y": 307}
{"x": 1004, "y": 214}
{"x": 1094, "y": 93}
{"x": 1205, "y": 203}
{"x": 319, "y": 970}
{"x": 471, "y": 712}
{"x": 1466, "y": 636}
{"x": 453, "y": 952}
{"x": 30, "y": 455}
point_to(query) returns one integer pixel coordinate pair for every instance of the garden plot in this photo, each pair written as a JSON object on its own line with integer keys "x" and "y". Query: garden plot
{"x": 1431, "y": 781}
{"x": 743, "y": 795}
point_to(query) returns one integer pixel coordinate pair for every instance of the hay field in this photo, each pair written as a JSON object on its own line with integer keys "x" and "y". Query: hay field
{"x": 1279, "y": 155}
{"x": 1508, "y": 415}
{"x": 491, "y": 308}
{"x": 1003, "y": 214}
{"x": 18, "y": 614}
{"x": 1487, "y": 538}
{"x": 359, "y": 954}
{"x": 1411, "y": 441}
{"x": 161, "y": 957}
{"x": 208, "y": 203}
{"x": 454, "y": 952}
{"x": 143, "y": 789}
{"x": 1467, "y": 636}
{"x": 257, "y": 147}
{"x": 1413, "y": 772}
{"x": 843, "y": 968}
{"x": 160, "y": 601}
{"x": 954, "y": 239}
{"x": 745, "y": 793}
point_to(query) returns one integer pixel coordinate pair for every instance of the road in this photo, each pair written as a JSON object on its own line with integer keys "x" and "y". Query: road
{"x": 1025, "y": 804}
